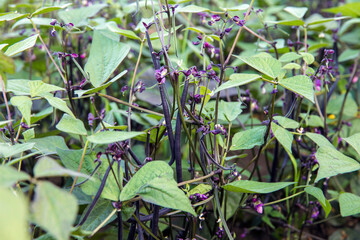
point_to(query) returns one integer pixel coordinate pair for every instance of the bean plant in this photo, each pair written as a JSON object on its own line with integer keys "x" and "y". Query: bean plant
{"x": 179, "y": 119}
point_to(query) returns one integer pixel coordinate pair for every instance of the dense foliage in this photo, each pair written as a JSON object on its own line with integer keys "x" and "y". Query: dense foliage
{"x": 179, "y": 119}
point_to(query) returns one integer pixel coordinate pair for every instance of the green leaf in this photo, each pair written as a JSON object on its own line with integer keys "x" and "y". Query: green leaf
{"x": 284, "y": 137}
{"x": 319, "y": 195}
{"x": 201, "y": 189}
{"x": 44, "y": 10}
{"x": 319, "y": 139}
{"x": 48, "y": 145}
{"x": 295, "y": 22}
{"x": 349, "y": 204}
{"x": 299, "y": 84}
{"x": 264, "y": 64}
{"x": 291, "y": 66}
{"x": 107, "y": 137}
{"x": 148, "y": 172}
{"x": 229, "y": 111}
{"x": 332, "y": 162}
{"x": 71, "y": 125}
{"x": 354, "y": 141}
{"x": 13, "y": 216}
{"x": 29, "y": 134}
{"x": 335, "y": 103}
{"x": 54, "y": 210}
{"x": 127, "y": 33}
{"x": 164, "y": 192}
{"x": 325, "y": 20}
{"x": 349, "y": 9}
{"x": 308, "y": 58}
{"x": 71, "y": 160}
{"x": 7, "y": 64}
{"x": 9, "y": 176}
{"x": 21, "y": 46}
{"x": 238, "y": 79}
{"x": 101, "y": 87}
{"x": 241, "y": 7}
{"x": 48, "y": 167}
{"x": 248, "y": 139}
{"x": 3, "y": 45}
{"x": 154, "y": 183}
{"x": 192, "y": 9}
{"x": 7, "y": 150}
{"x": 288, "y": 57}
{"x": 59, "y": 104}
{"x": 24, "y": 105}
{"x": 348, "y": 54}
{"x": 79, "y": 16}
{"x": 12, "y": 16}
{"x": 298, "y": 12}
{"x": 246, "y": 186}
{"x": 38, "y": 88}
{"x": 18, "y": 86}
{"x": 312, "y": 120}
{"x": 101, "y": 211}
{"x": 286, "y": 122}
{"x": 105, "y": 56}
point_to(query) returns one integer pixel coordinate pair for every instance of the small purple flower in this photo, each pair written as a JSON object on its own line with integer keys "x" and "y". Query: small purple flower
{"x": 70, "y": 25}
{"x": 53, "y": 22}
{"x": 259, "y": 11}
{"x": 117, "y": 205}
{"x": 216, "y": 18}
{"x": 83, "y": 82}
{"x": 317, "y": 84}
{"x": 53, "y": 32}
{"x": 124, "y": 88}
{"x": 210, "y": 23}
{"x": 139, "y": 87}
{"x": 91, "y": 119}
{"x": 196, "y": 98}
{"x": 24, "y": 125}
{"x": 227, "y": 30}
{"x": 196, "y": 43}
{"x": 74, "y": 55}
{"x": 98, "y": 156}
{"x": 238, "y": 22}
{"x": 160, "y": 74}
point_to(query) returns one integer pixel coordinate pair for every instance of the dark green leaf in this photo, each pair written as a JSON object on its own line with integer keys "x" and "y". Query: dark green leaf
{"x": 332, "y": 162}
{"x": 246, "y": 186}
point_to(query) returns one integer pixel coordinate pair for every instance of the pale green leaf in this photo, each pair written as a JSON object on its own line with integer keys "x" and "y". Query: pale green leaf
{"x": 354, "y": 141}
{"x": 11, "y": 16}
{"x": 298, "y": 12}
{"x": 192, "y": 9}
{"x": 229, "y": 111}
{"x": 319, "y": 195}
{"x": 105, "y": 56}
{"x": 351, "y": 9}
{"x": 332, "y": 162}
{"x": 13, "y": 216}
{"x": 248, "y": 139}
{"x": 71, "y": 125}
{"x": 349, "y": 204}
{"x": 59, "y": 104}
{"x": 164, "y": 192}
{"x": 299, "y": 84}
{"x": 319, "y": 139}
{"x": 246, "y": 186}
{"x": 107, "y": 137}
{"x": 291, "y": 66}
{"x": 348, "y": 54}
{"x": 238, "y": 79}
{"x": 201, "y": 189}
{"x": 154, "y": 183}
{"x": 48, "y": 167}
{"x": 9, "y": 176}
{"x": 266, "y": 65}
{"x": 24, "y": 105}
{"x": 101, "y": 87}
{"x": 54, "y": 210}
{"x": 308, "y": 57}
{"x": 18, "y": 86}
{"x": 8, "y": 150}
{"x": 124, "y": 32}
{"x": 288, "y": 57}
{"x": 3, "y": 45}
{"x": 286, "y": 122}
{"x": 48, "y": 145}
{"x": 21, "y": 46}
{"x": 284, "y": 137}
{"x": 79, "y": 16}
{"x": 38, "y": 88}
{"x": 325, "y": 20}
{"x": 71, "y": 160}
{"x": 44, "y": 10}
{"x": 29, "y": 134}
{"x": 295, "y": 22}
